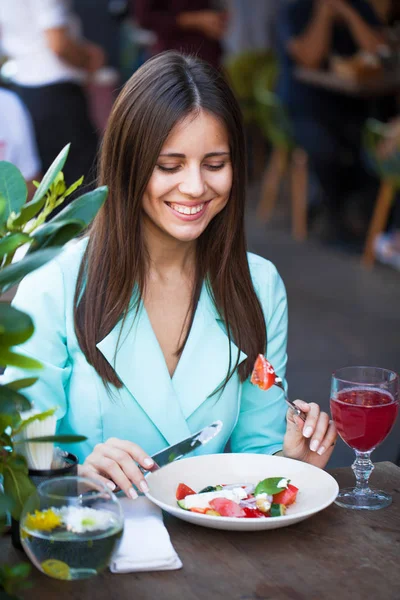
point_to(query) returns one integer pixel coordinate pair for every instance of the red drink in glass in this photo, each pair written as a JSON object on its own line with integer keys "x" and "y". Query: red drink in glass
{"x": 363, "y": 416}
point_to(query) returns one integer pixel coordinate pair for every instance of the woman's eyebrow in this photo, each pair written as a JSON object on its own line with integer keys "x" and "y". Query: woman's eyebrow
{"x": 208, "y": 155}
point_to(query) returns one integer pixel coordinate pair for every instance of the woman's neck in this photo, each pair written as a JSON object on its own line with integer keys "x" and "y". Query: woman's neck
{"x": 169, "y": 257}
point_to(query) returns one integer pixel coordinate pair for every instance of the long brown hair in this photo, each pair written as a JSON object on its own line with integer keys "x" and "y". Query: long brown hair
{"x": 160, "y": 94}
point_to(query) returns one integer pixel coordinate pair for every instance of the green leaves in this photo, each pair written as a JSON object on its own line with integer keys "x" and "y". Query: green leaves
{"x": 270, "y": 486}
{"x": 12, "y": 188}
{"x": 84, "y": 208}
{"x": 15, "y": 326}
{"x": 13, "y": 274}
{"x": 38, "y": 417}
{"x": 17, "y": 484}
{"x": 56, "y": 234}
{"x": 18, "y": 360}
{"x": 13, "y": 579}
{"x": 11, "y": 242}
{"x": 51, "y": 175}
{"x": 28, "y": 223}
{"x": 12, "y": 402}
{"x": 62, "y": 439}
{"x": 20, "y": 384}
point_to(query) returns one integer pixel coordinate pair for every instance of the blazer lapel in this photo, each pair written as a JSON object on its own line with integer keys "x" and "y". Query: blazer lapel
{"x": 204, "y": 363}
{"x": 141, "y": 366}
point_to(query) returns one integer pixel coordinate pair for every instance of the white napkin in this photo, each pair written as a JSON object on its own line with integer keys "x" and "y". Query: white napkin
{"x": 145, "y": 544}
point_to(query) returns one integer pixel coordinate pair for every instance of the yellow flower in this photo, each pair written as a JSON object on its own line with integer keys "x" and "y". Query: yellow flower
{"x": 43, "y": 520}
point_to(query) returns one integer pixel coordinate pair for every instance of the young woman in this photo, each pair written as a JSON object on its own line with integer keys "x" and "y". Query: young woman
{"x": 148, "y": 328}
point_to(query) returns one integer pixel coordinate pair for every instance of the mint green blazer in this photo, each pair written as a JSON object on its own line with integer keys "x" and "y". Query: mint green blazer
{"x": 151, "y": 409}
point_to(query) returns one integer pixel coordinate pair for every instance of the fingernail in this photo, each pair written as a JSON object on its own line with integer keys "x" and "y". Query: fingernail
{"x": 307, "y": 432}
{"x": 133, "y": 494}
{"x": 148, "y": 462}
{"x": 111, "y": 485}
{"x": 314, "y": 445}
{"x": 143, "y": 486}
{"x": 321, "y": 450}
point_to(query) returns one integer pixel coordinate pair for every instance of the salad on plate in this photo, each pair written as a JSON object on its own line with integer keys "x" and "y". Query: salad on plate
{"x": 269, "y": 498}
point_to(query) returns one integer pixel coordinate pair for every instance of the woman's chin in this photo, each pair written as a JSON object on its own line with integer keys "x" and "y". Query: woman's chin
{"x": 187, "y": 233}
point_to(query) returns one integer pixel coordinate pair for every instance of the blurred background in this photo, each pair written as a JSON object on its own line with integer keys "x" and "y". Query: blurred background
{"x": 319, "y": 86}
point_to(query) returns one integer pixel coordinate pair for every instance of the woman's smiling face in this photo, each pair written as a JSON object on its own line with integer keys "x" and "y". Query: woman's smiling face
{"x": 192, "y": 179}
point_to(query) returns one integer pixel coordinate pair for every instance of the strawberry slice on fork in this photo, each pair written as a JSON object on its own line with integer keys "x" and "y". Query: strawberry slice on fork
{"x": 263, "y": 375}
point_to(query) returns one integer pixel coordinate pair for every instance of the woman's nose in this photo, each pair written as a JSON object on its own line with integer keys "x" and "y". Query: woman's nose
{"x": 193, "y": 183}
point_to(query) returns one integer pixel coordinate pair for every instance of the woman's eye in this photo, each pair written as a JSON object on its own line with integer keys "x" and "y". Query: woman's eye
{"x": 168, "y": 169}
{"x": 215, "y": 167}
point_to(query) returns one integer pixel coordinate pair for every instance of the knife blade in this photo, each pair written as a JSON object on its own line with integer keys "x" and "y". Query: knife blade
{"x": 189, "y": 444}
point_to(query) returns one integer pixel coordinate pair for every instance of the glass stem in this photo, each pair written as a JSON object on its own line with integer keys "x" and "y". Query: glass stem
{"x": 362, "y": 468}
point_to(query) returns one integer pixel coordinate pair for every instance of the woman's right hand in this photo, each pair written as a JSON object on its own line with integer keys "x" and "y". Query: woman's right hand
{"x": 115, "y": 463}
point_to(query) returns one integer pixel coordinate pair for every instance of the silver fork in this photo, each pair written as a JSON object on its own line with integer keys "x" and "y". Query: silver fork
{"x": 296, "y": 409}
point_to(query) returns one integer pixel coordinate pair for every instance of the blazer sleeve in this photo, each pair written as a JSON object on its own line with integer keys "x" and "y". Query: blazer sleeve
{"x": 261, "y": 423}
{"x": 41, "y": 295}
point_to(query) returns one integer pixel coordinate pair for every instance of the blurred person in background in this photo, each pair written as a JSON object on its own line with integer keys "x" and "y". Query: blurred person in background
{"x": 251, "y": 26}
{"x": 101, "y": 22}
{"x": 382, "y": 8}
{"x": 190, "y": 26}
{"x": 51, "y": 61}
{"x": 326, "y": 124}
{"x": 387, "y": 244}
{"x": 17, "y": 138}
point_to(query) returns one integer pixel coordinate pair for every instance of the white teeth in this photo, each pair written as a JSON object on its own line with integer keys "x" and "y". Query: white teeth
{"x": 186, "y": 210}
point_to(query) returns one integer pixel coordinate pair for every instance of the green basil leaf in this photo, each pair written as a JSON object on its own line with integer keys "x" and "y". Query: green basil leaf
{"x": 270, "y": 486}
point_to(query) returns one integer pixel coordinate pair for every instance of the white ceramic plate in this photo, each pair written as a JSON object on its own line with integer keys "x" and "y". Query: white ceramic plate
{"x": 317, "y": 489}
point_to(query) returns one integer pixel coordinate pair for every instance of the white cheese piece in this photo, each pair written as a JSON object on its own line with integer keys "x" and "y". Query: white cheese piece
{"x": 283, "y": 483}
{"x": 263, "y": 502}
{"x": 202, "y": 500}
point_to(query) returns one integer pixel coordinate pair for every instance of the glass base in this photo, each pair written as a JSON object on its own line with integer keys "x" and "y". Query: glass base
{"x": 81, "y": 573}
{"x": 369, "y": 499}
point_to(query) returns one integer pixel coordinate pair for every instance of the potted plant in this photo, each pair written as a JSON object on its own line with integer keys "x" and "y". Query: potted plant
{"x": 29, "y": 225}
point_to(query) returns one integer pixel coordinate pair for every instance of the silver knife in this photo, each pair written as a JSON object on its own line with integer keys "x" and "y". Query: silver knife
{"x": 177, "y": 451}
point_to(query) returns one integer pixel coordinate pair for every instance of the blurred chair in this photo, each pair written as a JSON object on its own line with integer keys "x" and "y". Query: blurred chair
{"x": 388, "y": 170}
{"x": 287, "y": 159}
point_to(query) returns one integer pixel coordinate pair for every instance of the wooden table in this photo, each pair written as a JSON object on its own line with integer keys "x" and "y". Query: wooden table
{"x": 337, "y": 554}
{"x": 389, "y": 83}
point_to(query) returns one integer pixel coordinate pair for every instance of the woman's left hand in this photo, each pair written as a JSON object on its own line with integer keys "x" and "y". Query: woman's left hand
{"x": 311, "y": 441}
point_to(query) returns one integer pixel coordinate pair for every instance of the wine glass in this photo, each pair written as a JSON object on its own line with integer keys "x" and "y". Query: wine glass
{"x": 364, "y": 406}
{"x": 70, "y": 526}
